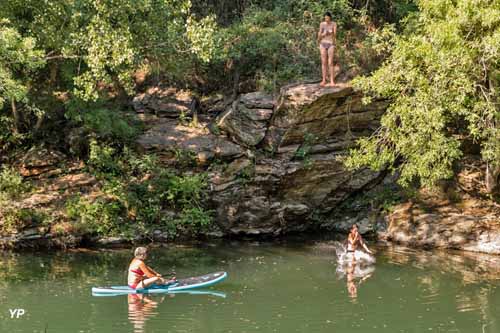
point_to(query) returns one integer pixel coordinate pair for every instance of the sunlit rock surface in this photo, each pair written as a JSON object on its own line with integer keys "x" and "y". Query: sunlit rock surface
{"x": 282, "y": 163}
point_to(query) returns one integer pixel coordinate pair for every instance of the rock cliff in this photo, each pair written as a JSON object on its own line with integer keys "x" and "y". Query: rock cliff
{"x": 278, "y": 161}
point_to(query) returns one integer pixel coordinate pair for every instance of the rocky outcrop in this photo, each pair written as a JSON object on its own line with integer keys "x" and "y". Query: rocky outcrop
{"x": 271, "y": 196}
{"x": 246, "y": 120}
{"x": 41, "y": 160}
{"x": 303, "y": 178}
{"x": 309, "y": 132}
{"x": 334, "y": 113}
{"x": 456, "y": 214}
{"x": 413, "y": 225}
{"x": 174, "y": 142}
{"x": 165, "y": 102}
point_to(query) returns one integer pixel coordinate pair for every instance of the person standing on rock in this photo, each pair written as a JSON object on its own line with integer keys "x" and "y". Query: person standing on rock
{"x": 326, "y": 38}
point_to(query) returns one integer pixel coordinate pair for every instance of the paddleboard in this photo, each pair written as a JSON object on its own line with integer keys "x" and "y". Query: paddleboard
{"x": 180, "y": 285}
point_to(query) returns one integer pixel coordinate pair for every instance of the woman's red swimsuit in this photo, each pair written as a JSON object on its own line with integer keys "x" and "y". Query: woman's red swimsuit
{"x": 138, "y": 272}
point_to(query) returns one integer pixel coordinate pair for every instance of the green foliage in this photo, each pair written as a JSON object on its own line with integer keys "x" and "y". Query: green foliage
{"x": 14, "y": 219}
{"x": 270, "y": 47}
{"x": 102, "y": 159}
{"x": 185, "y": 158}
{"x": 186, "y": 191}
{"x": 11, "y": 184}
{"x": 108, "y": 124}
{"x": 137, "y": 191}
{"x": 442, "y": 78}
{"x": 100, "y": 216}
{"x": 201, "y": 36}
{"x": 105, "y": 41}
{"x": 18, "y": 58}
{"x": 391, "y": 11}
{"x": 196, "y": 217}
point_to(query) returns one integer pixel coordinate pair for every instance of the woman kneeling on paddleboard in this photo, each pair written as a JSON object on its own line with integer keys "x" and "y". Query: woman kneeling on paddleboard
{"x": 140, "y": 275}
{"x": 354, "y": 240}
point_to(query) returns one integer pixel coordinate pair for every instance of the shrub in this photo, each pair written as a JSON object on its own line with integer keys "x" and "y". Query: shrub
{"x": 137, "y": 189}
{"x": 101, "y": 216}
{"x": 195, "y": 217}
{"x": 11, "y": 183}
{"x": 107, "y": 123}
{"x": 14, "y": 220}
{"x": 102, "y": 159}
{"x": 186, "y": 190}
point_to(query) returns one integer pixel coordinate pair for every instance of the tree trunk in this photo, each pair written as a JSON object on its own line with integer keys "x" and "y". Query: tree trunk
{"x": 236, "y": 82}
{"x": 491, "y": 180}
{"x": 15, "y": 114}
{"x": 39, "y": 123}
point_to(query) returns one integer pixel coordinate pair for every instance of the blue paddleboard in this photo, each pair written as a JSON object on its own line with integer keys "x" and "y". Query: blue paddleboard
{"x": 179, "y": 285}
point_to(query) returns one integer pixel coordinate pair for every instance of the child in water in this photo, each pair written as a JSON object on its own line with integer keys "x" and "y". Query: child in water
{"x": 354, "y": 241}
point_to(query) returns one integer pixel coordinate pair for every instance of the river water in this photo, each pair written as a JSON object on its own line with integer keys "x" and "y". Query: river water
{"x": 289, "y": 287}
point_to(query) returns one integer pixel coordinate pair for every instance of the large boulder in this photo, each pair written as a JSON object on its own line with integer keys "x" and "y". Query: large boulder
{"x": 324, "y": 113}
{"x": 246, "y": 119}
{"x": 274, "y": 196}
{"x": 41, "y": 161}
{"x": 447, "y": 226}
{"x": 172, "y": 141}
{"x": 165, "y": 102}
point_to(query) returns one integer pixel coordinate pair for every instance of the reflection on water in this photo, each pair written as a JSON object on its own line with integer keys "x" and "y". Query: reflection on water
{"x": 271, "y": 288}
{"x": 355, "y": 274}
{"x": 140, "y": 308}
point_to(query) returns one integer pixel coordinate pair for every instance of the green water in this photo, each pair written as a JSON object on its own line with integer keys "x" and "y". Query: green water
{"x": 271, "y": 288}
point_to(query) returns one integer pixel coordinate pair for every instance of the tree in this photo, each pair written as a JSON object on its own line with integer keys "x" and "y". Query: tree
{"x": 101, "y": 43}
{"x": 19, "y": 57}
{"x": 442, "y": 79}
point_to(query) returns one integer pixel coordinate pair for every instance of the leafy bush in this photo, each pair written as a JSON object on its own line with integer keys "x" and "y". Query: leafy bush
{"x": 102, "y": 159}
{"x": 14, "y": 220}
{"x": 11, "y": 183}
{"x": 137, "y": 191}
{"x": 186, "y": 190}
{"x": 107, "y": 123}
{"x": 100, "y": 216}
{"x": 195, "y": 217}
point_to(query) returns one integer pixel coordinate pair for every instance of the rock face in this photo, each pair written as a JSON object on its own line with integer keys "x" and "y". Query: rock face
{"x": 308, "y": 132}
{"x": 273, "y": 196}
{"x": 165, "y": 102}
{"x": 246, "y": 120}
{"x": 412, "y": 225}
{"x": 173, "y": 141}
{"x": 40, "y": 160}
{"x": 322, "y": 113}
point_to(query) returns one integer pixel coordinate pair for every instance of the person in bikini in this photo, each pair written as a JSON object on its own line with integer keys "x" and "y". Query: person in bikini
{"x": 140, "y": 275}
{"x": 355, "y": 241}
{"x": 326, "y": 37}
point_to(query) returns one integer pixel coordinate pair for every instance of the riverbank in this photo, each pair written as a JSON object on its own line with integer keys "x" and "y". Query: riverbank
{"x": 258, "y": 167}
